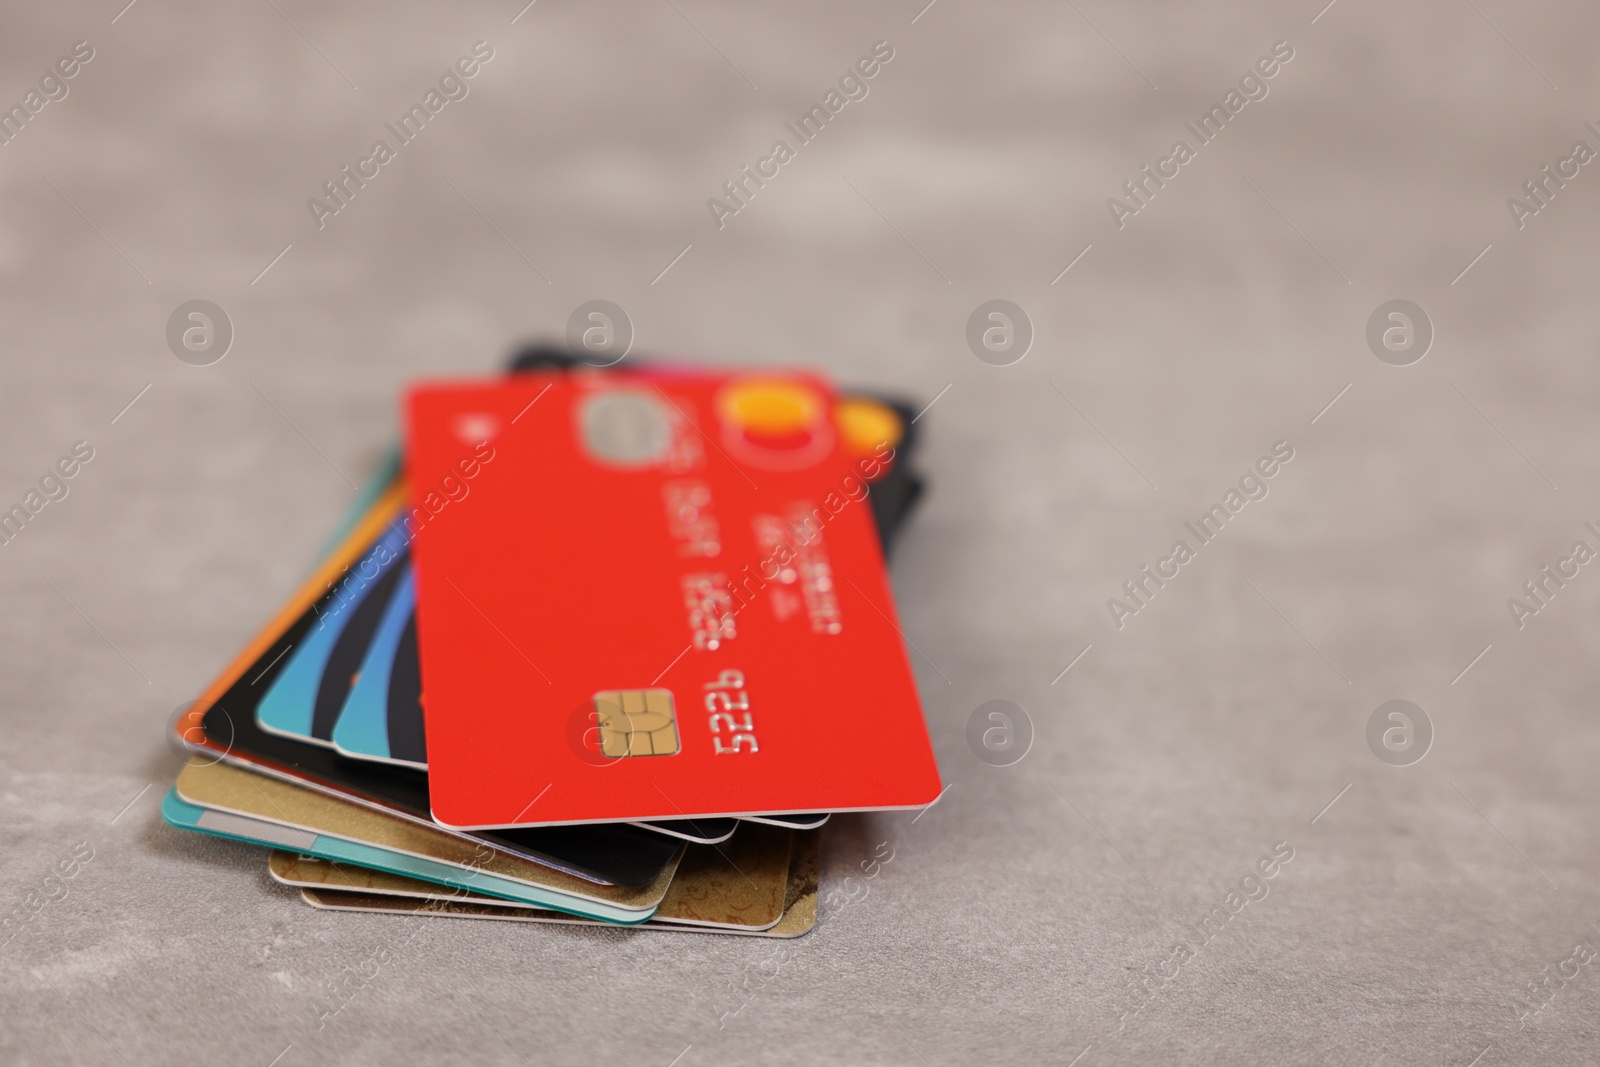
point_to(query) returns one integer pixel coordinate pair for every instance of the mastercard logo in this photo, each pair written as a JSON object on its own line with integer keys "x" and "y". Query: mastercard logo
{"x": 775, "y": 423}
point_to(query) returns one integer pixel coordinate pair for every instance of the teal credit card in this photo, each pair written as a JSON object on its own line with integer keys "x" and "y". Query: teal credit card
{"x": 304, "y": 699}
{"x": 186, "y": 816}
{"x": 383, "y": 686}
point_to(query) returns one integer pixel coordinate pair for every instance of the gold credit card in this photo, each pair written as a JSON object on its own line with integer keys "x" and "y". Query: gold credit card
{"x": 741, "y": 883}
{"x": 798, "y": 915}
{"x": 222, "y": 787}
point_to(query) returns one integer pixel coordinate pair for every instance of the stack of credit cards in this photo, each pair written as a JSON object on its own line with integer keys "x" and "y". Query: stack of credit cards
{"x": 605, "y": 647}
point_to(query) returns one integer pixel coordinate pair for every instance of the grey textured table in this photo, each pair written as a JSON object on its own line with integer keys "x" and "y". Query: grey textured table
{"x": 1063, "y": 909}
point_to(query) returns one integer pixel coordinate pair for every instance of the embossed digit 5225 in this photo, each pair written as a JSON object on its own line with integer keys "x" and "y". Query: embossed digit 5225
{"x": 725, "y": 696}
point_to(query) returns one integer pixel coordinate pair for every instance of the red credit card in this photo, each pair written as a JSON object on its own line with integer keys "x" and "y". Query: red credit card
{"x": 660, "y": 595}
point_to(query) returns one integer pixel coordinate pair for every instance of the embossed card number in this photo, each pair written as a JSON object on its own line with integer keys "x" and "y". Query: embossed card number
{"x": 725, "y": 696}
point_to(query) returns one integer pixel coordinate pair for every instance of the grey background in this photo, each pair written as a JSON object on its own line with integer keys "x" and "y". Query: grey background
{"x": 1018, "y": 913}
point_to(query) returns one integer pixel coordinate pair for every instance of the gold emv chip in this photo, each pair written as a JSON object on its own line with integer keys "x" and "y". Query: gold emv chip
{"x": 636, "y": 722}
